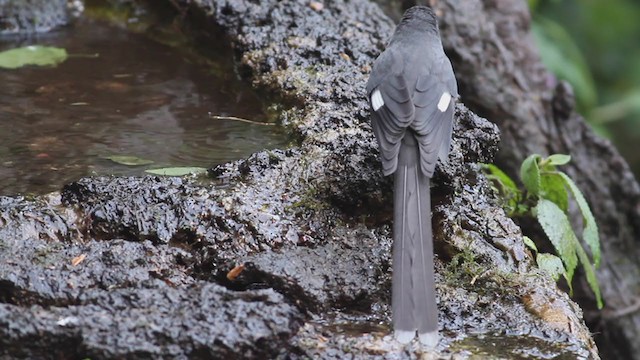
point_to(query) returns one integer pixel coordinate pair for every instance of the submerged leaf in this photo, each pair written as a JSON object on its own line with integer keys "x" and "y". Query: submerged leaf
{"x": 590, "y": 231}
{"x": 177, "y": 171}
{"x": 32, "y": 55}
{"x": 128, "y": 160}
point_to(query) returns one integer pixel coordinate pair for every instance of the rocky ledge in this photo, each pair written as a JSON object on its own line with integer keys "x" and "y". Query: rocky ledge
{"x": 285, "y": 254}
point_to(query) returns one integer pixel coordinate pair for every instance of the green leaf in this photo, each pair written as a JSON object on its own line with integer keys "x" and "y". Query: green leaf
{"x": 563, "y": 57}
{"x": 128, "y": 160}
{"x": 530, "y": 244}
{"x": 32, "y": 55}
{"x": 177, "y": 171}
{"x": 558, "y": 229}
{"x": 559, "y": 159}
{"x": 550, "y": 264}
{"x": 505, "y": 187}
{"x": 530, "y": 174}
{"x": 501, "y": 177}
{"x": 552, "y": 187}
{"x": 590, "y": 274}
{"x": 627, "y": 105}
{"x": 590, "y": 231}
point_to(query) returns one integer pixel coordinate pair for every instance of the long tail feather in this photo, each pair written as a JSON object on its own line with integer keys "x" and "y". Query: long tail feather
{"x": 413, "y": 293}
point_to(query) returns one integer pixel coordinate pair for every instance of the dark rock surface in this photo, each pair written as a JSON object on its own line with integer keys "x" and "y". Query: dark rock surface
{"x": 34, "y": 16}
{"x": 199, "y": 321}
{"x": 284, "y": 254}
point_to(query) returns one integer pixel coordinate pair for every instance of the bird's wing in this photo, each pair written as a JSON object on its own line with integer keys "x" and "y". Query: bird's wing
{"x": 434, "y": 99}
{"x": 390, "y": 97}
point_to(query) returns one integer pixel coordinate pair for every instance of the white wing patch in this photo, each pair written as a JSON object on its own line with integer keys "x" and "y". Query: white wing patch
{"x": 444, "y": 101}
{"x": 376, "y": 100}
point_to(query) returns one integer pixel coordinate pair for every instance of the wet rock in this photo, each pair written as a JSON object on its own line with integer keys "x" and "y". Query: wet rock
{"x": 199, "y": 321}
{"x": 117, "y": 298}
{"x": 293, "y": 235}
{"x": 57, "y": 273}
{"x": 348, "y": 272}
{"x": 24, "y": 17}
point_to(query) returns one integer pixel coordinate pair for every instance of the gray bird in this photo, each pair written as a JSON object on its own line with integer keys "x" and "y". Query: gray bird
{"x": 412, "y": 92}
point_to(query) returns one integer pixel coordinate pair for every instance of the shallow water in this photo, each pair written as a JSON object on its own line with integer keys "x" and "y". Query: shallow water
{"x": 137, "y": 98}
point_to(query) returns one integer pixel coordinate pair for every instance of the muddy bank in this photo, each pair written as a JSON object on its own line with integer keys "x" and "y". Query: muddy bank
{"x": 284, "y": 254}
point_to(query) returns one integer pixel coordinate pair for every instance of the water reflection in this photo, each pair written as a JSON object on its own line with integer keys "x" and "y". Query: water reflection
{"x": 138, "y": 98}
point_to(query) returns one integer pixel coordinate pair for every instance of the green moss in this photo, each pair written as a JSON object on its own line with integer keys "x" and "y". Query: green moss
{"x": 273, "y": 157}
{"x": 49, "y": 256}
{"x": 312, "y": 200}
{"x": 495, "y": 346}
{"x": 464, "y": 270}
{"x": 462, "y": 267}
{"x": 311, "y": 71}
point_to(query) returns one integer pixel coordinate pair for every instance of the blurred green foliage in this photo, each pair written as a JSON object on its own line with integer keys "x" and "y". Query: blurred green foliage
{"x": 595, "y": 46}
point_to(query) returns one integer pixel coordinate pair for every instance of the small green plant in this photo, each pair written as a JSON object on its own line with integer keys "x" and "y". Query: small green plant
{"x": 547, "y": 199}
